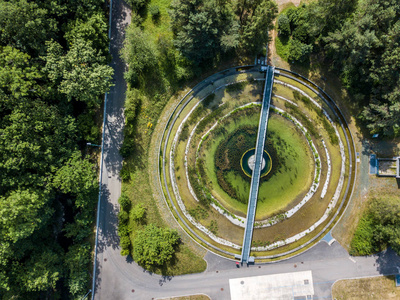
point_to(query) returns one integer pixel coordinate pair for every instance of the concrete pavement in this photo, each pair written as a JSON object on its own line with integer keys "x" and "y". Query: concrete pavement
{"x": 327, "y": 263}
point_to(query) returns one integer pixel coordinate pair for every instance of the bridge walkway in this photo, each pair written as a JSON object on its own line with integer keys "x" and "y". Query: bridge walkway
{"x": 255, "y": 178}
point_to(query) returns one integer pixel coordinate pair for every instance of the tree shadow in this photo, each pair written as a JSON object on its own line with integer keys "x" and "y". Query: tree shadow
{"x": 107, "y": 229}
{"x": 387, "y": 262}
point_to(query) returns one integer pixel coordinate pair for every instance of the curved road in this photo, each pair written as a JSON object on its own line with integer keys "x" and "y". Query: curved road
{"x": 119, "y": 278}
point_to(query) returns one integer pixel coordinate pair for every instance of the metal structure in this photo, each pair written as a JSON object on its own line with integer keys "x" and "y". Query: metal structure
{"x": 255, "y": 178}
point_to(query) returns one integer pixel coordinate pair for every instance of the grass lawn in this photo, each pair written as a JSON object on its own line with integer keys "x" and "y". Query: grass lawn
{"x": 278, "y": 192}
{"x": 282, "y": 46}
{"x": 161, "y": 26}
{"x": 382, "y": 287}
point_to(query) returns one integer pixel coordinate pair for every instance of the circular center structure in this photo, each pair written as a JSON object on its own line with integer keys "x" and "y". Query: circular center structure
{"x": 208, "y": 158}
{"x": 248, "y": 160}
{"x": 252, "y": 161}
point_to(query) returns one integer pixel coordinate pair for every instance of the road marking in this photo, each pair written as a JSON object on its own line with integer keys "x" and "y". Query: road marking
{"x": 352, "y": 259}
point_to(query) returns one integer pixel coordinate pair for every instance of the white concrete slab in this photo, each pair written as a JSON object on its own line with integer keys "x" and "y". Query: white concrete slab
{"x": 286, "y": 286}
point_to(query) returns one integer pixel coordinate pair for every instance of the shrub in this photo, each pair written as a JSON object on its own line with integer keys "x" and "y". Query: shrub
{"x": 213, "y": 227}
{"x": 125, "y": 243}
{"x": 124, "y": 202}
{"x": 154, "y": 11}
{"x": 184, "y": 133}
{"x": 123, "y": 229}
{"x": 298, "y": 114}
{"x": 138, "y": 213}
{"x": 329, "y": 129}
{"x": 362, "y": 242}
{"x": 208, "y": 99}
{"x": 123, "y": 217}
{"x": 198, "y": 213}
{"x": 125, "y": 173}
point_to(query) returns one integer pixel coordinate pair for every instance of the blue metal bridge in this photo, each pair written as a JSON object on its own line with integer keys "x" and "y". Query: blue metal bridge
{"x": 255, "y": 178}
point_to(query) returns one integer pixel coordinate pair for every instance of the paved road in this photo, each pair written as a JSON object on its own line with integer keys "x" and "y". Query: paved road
{"x": 119, "y": 278}
{"x": 255, "y": 178}
{"x": 108, "y": 254}
{"x": 327, "y": 263}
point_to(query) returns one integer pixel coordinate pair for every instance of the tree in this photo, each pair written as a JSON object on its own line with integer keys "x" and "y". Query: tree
{"x": 203, "y": 29}
{"x": 94, "y": 31}
{"x": 79, "y": 74}
{"x": 364, "y": 55}
{"x": 77, "y": 176}
{"x": 284, "y": 25}
{"x": 35, "y": 140}
{"x": 40, "y": 272}
{"x": 379, "y": 228}
{"x": 47, "y": 190}
{"x": 124, "y": 202}
{"x": 17, "y": 76}
{"x": 25, "y": 26}
{"x": 298, "y": 51}
{"x": 255, "y": 30}
{"x": 77, "y": 261}
{"x": 24, "y": 213}
{"x": 154, "y": 246}
{"x": 139, "y": 53}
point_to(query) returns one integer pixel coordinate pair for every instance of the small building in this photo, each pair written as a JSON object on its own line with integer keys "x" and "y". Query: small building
{"x": 388, "y": 167}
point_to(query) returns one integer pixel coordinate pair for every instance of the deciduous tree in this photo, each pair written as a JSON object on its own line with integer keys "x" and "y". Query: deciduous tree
{"x": 154, "y": 246}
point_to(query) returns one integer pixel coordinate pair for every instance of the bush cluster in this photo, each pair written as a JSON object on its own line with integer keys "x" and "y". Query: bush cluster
{"x": 123, "y": 228}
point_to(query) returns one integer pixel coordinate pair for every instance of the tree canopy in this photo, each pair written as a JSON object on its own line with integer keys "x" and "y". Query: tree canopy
{"x": 154, "y": 246}
{"x": 53, "y": 75}
{"x": 361, "y": 41}
{"x": 379, "y": 228}
{"x": 206, "y": 29}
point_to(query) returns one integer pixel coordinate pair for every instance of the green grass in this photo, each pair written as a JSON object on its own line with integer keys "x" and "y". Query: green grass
{"x": 138, "y": 187}
{"x": 242, "y": 187}
{"x": 282, "y": 46}
{"x": 362, "y": 242}
{"x": 161, "y": 27}
{"x": 278, "y": 192}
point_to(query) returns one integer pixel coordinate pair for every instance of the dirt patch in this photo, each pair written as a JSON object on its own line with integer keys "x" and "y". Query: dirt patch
{"x": 366, "y": 288}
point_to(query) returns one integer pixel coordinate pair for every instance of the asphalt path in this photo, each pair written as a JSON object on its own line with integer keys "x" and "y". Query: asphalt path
{"x": 119, "y": 277}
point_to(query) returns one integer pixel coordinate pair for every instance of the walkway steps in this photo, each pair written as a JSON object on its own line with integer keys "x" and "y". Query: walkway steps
{"x": 255, "y": 179}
